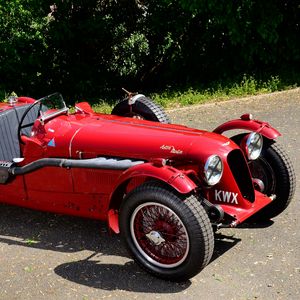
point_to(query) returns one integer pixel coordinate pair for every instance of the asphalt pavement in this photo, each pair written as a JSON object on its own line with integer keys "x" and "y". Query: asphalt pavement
{"x": 46, "y": 256}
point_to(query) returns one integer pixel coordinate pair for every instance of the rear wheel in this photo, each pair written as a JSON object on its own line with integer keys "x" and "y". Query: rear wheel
{"x": 143, "y": 108}
{"x": 168, "y": 235}
{"x": 273, "y": 174}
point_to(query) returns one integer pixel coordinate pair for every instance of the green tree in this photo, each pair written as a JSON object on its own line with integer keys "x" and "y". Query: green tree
{"x": 89, "y": 48}
{"x": 23, "y": 43}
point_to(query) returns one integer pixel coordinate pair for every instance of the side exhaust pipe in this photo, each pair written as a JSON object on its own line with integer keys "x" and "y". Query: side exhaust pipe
{"x": 93, "y": 163}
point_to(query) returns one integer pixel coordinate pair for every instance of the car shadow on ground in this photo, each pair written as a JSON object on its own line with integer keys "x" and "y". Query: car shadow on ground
{"x": 223, "y": 243}
{"x": 253, "y": 225}
{"x": 41, "y": 230}
{"x": 93, "y": 272}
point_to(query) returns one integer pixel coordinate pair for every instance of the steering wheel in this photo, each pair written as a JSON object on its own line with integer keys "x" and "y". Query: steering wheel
{"x": 21, "y": 125}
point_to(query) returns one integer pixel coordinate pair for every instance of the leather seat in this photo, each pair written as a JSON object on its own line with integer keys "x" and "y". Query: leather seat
{"x": 9, "y": 122}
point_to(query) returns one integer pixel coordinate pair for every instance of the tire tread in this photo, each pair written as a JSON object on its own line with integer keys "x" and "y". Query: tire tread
{"x": 143, "y": 105}
{"x": 189, "y": 206}
{"x": 287, "y": 171}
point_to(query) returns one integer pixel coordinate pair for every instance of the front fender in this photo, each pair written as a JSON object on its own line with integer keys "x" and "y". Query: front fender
{"x": 263, "y": 128}
{"x": 171, "y": 176}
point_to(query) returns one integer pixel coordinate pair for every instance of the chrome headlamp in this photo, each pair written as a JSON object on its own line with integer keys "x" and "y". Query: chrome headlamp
{"x": 254, "y": 144}
{"x": 213, "y": 169}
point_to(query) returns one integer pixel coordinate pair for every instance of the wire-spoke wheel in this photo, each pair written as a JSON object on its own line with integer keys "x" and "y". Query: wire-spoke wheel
{"x": 168, "y": 234}
{"x": 273, "y": 174}
{"x": 159, "y": 234}
{"x": 275, "y": 170}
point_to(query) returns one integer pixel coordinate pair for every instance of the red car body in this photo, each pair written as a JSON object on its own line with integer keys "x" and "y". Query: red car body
{"x": 93, "y": 193}
{"x": 86, "y": 164}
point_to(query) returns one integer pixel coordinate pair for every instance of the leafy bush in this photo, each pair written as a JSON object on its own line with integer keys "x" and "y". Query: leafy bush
{"x": 23, "y": 44}
{"x": 91, "y": 48}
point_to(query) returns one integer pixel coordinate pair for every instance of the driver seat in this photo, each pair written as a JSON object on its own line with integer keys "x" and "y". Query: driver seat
{"x": 9, "y": 122}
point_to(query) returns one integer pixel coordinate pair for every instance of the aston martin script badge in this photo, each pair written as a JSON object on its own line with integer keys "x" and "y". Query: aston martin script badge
{"x": 171, "y": 149}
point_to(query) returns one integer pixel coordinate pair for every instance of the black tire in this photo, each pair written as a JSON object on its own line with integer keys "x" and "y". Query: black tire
{"x": 275, "y": 170}
{"x": 168, "y": 235}
{"x": 143, "y": 108}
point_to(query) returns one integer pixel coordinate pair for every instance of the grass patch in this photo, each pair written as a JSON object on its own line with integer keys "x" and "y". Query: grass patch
{"x": 103, "y": 107}
{"x": 219, "y": 92}
{"x": 4, "y": 96}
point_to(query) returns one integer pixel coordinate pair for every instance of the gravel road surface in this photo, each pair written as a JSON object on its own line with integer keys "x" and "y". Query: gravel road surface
{"x": 46, "y": 256}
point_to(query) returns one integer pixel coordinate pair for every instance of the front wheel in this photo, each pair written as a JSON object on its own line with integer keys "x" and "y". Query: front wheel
{"x": 169, "y": 235}
{"x": 274, "y": 174}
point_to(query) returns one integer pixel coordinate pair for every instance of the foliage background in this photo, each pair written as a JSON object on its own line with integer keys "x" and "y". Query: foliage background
{"x": 91, "y": 48}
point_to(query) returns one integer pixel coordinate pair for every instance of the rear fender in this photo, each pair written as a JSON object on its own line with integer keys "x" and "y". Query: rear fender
{"x": 247, "y": 123}
{"x": 26, "y": 100}
{"x": 171, "y": 176}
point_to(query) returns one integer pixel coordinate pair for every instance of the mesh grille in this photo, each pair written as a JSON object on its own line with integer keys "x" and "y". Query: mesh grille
{"x": 241, "y": 173}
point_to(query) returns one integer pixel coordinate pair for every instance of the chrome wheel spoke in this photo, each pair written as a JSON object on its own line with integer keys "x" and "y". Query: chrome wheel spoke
{"x": 159, "y": 234}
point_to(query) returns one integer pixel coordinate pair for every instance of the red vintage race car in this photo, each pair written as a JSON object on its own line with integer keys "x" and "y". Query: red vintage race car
{"x": 164, "y": 187}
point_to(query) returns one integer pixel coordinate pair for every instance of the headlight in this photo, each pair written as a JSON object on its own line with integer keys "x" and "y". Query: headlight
{"x": 254, "y": 145}
{"x": 213, "y": 169}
